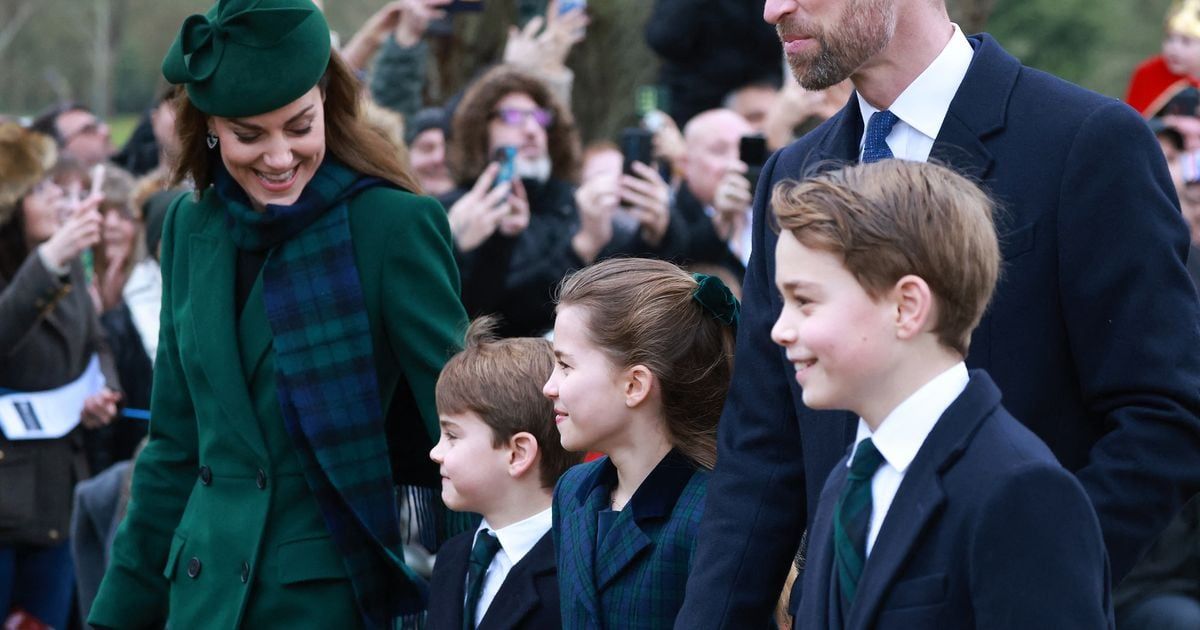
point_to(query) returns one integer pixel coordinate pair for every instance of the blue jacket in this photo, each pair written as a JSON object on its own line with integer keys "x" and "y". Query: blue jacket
{"x": 1091, "y": 335}
{"x": 986, "y": 530}
{"x": 635, "y": 577}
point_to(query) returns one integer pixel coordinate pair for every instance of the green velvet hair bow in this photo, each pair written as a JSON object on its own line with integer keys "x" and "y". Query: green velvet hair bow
{"x": 717, "y": 299}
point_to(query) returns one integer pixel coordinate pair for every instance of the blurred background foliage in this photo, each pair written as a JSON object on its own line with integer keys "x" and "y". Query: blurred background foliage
{"x": 106, "y": 53}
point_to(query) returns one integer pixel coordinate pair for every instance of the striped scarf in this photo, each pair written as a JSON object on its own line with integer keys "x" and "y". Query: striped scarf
{"x": 325, "y": 379}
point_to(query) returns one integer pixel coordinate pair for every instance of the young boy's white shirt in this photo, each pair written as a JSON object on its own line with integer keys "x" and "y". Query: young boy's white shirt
{"x": 516, "y": 541}
{"x": 901, "y": 435}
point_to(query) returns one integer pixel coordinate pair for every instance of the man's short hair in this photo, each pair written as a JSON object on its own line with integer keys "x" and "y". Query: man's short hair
{"x": 894, "y": 218}
{"x": 46, "y": 122}
{"x": 501, "y": 380}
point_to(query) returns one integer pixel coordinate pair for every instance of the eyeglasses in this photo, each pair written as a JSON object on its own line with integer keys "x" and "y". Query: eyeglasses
{"x": 89, "y": 129}
{"x": 44, "y": 188}
{"x": 514, "y": 117}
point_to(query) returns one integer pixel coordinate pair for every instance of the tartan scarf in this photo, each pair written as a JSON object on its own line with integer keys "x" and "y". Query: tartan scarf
{"x": 325, "y": 379}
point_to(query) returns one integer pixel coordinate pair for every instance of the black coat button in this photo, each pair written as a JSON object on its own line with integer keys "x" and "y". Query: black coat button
{"x": 193, "y": 568}
{"x": 245, "y": 572}
{"x": 205, "y": 475}
{"x": 261, "y": 479}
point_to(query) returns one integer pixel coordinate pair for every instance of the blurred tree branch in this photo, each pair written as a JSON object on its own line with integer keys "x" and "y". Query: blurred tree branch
{"x": 12, "y": 22}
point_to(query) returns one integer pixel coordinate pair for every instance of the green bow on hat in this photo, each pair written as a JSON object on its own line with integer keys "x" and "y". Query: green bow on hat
{"x": 249, "y": 57}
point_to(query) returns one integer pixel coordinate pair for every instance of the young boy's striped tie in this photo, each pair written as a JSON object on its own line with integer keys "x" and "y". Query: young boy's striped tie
{"x": 852, "y": 519}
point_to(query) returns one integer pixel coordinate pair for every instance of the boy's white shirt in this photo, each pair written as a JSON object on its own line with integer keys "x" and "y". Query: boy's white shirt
{"x": 516, "y": 541}
{"x": 901, "y": 435}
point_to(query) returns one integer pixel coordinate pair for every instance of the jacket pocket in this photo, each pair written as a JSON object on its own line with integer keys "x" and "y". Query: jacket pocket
{"x": 18, "y": 487}
{"x": 177, "y": 543}
{"x": 310, "y": 559}
{"x": 922, "y": 591}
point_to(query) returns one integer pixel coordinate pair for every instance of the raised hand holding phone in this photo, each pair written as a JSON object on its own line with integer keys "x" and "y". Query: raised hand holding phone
{"x": 648, "y": 199}
{"x": 475, "y": 217}
{"x": 752, "y": 151}
{"x": 79, "y": 231}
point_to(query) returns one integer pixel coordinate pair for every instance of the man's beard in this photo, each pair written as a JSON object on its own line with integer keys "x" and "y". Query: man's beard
{"x": 537, "y": 169}
{"x": 866, "y": 29}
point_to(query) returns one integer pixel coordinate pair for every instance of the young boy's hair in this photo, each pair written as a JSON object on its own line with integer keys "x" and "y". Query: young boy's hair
{"x": 501, "y": 381}
{"x": 893, "y": 218}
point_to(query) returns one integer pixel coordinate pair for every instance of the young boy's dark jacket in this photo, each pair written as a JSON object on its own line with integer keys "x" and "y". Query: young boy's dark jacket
{"x": 986, "y": 530}
{"x": 528, "y": 599}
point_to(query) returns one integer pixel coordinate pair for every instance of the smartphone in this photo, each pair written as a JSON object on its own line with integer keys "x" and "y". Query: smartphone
{"x": 464, "y": 6}
{"x": 637, "y": 145}
{"x": 753, "y": 151}
{"x": 570, "y": 5}
{"x": 97, "y": 176}
{"x": 507, "y": 157}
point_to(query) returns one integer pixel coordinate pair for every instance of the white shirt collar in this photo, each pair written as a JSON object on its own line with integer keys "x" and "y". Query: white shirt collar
{"x": 924, "y": 103}
{"x": 904, "y": 430}
{"x": 517, "y": 539}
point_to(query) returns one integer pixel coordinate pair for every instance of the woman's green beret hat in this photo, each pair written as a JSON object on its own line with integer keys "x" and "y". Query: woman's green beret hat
{"x": 249, "y": 57}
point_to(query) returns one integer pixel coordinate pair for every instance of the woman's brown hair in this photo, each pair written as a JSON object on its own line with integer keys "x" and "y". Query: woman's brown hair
{"x": 467, "y": 154}
{"x": 348, "y": 136}
{"x": 118, "y": 190}
{"x": 641, "y": 312}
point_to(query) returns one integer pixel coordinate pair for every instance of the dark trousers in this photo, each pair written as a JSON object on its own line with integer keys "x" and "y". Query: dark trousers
{"x": 38, "y": 580}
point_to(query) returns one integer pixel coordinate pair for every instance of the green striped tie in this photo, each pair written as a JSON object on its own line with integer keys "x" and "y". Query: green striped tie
{"x": 852, "y": 520}
{"x": 486, "y": 546}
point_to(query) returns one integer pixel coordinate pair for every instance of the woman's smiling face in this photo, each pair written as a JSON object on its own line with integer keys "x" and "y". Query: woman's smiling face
{"x": 273, "y": 156}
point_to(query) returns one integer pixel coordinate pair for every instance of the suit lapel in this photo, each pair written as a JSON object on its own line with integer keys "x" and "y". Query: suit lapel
{"x": 620, "y": 547}
{"x": 453, "y": 590}
{"x": 819, "y": 583}
{"x": 579, "y": 542}
{"x": 254, "y": 332}
{"x": 212, "y": 276}
{"x": 920, "y": 497}
{"x": 839, "y": 147}
{"x": 979, "y": 110}
{"x": 959, "y": 147}
{"x": 519, "y": 592}
{"x": 652, "y": 502}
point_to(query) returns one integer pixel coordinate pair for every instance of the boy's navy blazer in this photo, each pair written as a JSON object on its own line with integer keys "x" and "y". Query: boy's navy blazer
{"x": 528, "y": 599}
{"x": 1091, "y": 334}
{"x": 637, "y": 576}
{"x": 986, "y": 530}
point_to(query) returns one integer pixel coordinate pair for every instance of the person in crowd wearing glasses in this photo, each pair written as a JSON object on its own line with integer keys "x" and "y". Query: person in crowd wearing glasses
{"x": 49, "y": 334}
{"x": 519, "y": 222}
{"x": 80, "y": 134}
